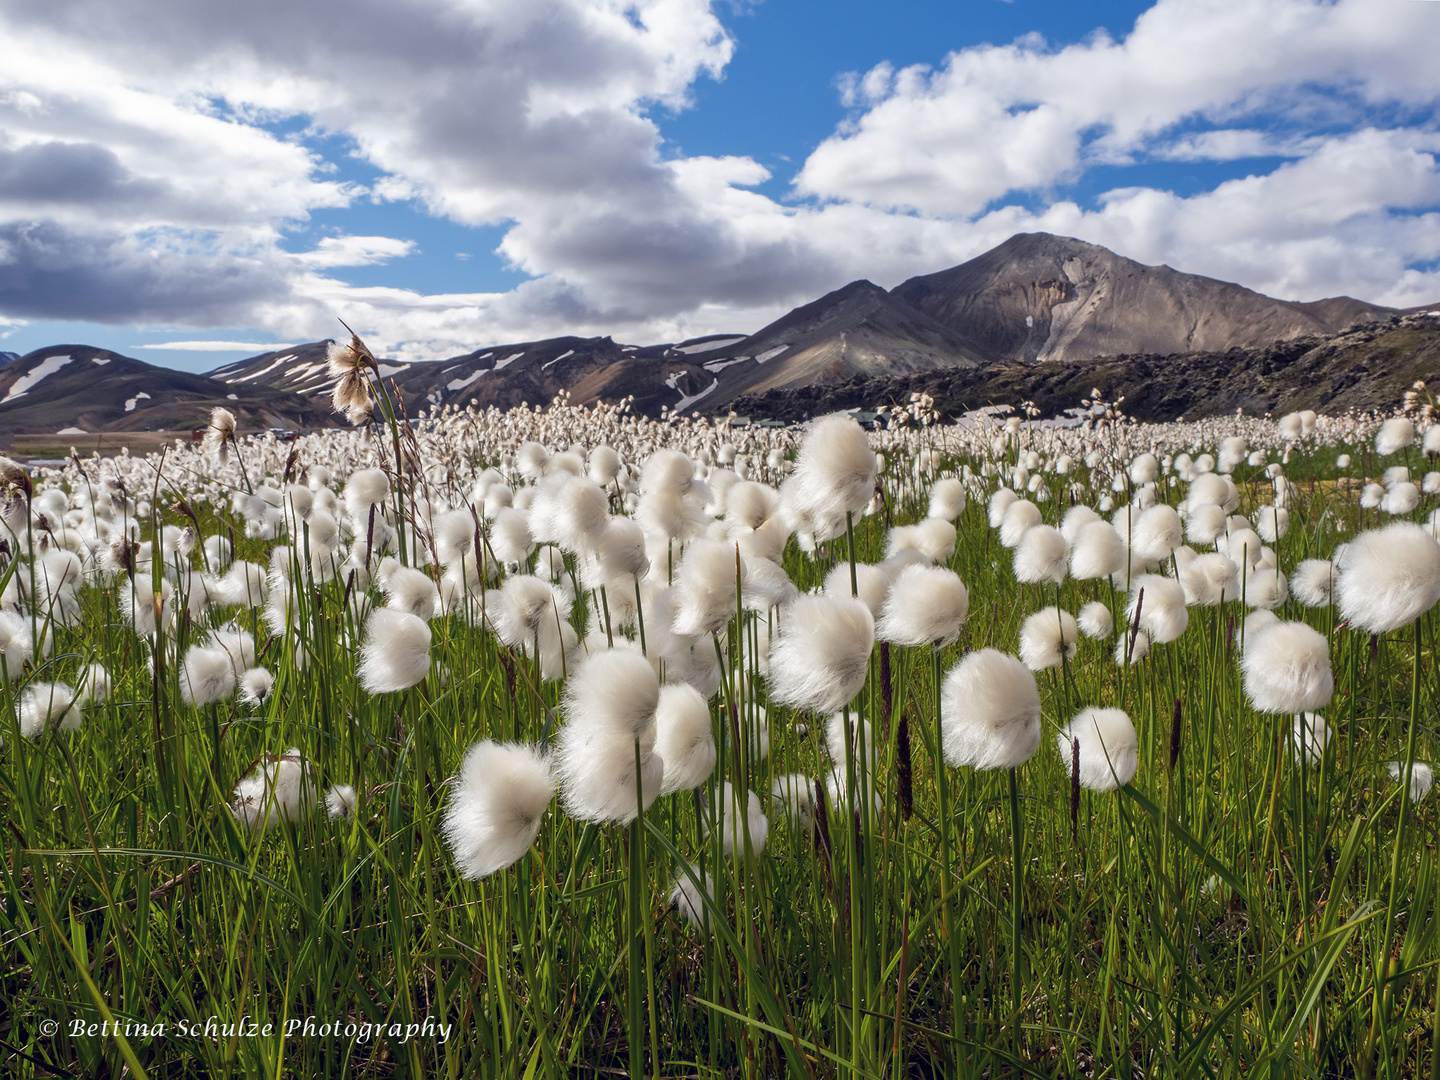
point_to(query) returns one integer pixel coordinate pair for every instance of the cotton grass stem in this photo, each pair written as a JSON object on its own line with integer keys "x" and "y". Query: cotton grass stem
{"x": 1017, "y": 844}
{"x": 1382, "y": 960}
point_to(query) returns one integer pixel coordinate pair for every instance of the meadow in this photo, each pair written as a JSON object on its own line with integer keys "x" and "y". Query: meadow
{"x": 564, "y": 742}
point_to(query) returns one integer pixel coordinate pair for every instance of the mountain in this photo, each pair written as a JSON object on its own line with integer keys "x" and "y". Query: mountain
{"x": 1039, "y": 297}
{"x": 8, "y": 357}
{"x": 1031, "y": 319}
{"x": 79, "y": 389}
{"x": 529, "y": 372}
{"x": 858, "y": 330}
{"x": 1368, "y": 366}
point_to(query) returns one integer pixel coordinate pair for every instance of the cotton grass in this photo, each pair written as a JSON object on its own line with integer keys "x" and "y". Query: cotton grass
{"x": 1109, "y": 749}
{"x": 497, "y": 802}
{"x": 989, "y": 712}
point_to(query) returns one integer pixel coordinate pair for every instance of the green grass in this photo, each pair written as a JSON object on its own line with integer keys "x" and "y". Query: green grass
{"x": 1226, "y": 916}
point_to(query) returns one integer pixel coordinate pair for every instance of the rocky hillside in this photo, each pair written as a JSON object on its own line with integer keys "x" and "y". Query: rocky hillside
{"x": 1368, "y": 367}
{"x": 1039, "y": 298}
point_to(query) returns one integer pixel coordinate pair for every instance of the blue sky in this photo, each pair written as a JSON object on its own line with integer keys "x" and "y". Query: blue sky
{"x": 448, "y": 175}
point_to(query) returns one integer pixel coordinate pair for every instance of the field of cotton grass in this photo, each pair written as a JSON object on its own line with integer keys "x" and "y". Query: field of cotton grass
{"x": 607, "y": 746}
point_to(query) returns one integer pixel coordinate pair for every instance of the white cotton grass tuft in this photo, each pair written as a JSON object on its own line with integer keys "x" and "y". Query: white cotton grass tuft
{"x": 926, "y": 605}
{"x": 16, "y": 644}
{"x": 340, "y": 802}
{"x": 819, "y": 659}
{"x": 510, "y": 537}
{"x": 684, "y": 739}
{"x": 1095, "y": 620}
{"x": 140, "y": 604}
{"x": 245, "y": 584}
{"x": 796, "y": 793}
{"x": 94, "y": 685}
{"x": 364, "y": 489}
{"x": 1020, "y": 517}
{"x": 834, "y": 475}
{"x": 1309, "y": 735}
{"x": 1075, "y": 519}
{"x": 1422, "y": 776}
{"x": 1143, "y": 469}
{"x": 49, "y": 706}
{"x": 1132, "y": 651}
{"x": 256, "y": 685}
{"x": 1163, "y": 615}
{"x": 620, "y": 550}
{"x": 692, "y": 888}
{"x": 1098, "y": 551}
{"x": 1286, "y": 668}
{"x": 1109, "y": 749}
{"x": 526, "y": 608}
{"x": 935, "y": 539}
{"x": 604, "y": 465}
{"x": 497, "y": 802}
{"x": 396, "y": 653}
{"x": 1157, "y": 532}
{"x": 410, "y": 590}
{"x": 1047, "y": 639}
{"x": 1206, "y": 524}
{"x": 858, "y": 733}
{"x": 1394, "y": 435}
{"x": 610, "y": 704}
{"x": 1210, "y": 580}
{"x": 1312, "y": 583}
{"x": 1043, "y": 556}
{"x": 1256, "y": 623}
{"x": 1265, "y": 588}
{"x": 207, "y": 676}
{"x": 569, "y": 512}
{"x": 1212, "y": 489}
{"x": 765, "y": 585}
{"x": 947, "y": 499}
{"x": 872, "y": 583}
{"x": 999, "y": 503}
{"x": 705, "y": 588}
{"x": 1387, "y": 578}
{"x": 989, "y": 712}
{"x": 1272, "y": 522}
{"x": 279, "y": 789}
{"x": 1402, "y": 498}
{"x": 733, "y": 830}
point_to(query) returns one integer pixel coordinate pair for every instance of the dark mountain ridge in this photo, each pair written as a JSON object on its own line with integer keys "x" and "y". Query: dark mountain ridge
{"x": 1022, "y": 321}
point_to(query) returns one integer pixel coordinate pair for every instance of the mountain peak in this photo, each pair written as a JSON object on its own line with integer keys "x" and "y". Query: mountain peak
{"x": 1040, "y": 297}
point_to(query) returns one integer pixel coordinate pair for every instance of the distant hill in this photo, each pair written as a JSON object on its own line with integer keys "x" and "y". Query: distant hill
{"x": 79, "y": 389}
{"x": 1025, "y": 320}
{"x": 1039, "y": 298}
{"x": 8, "y": 357}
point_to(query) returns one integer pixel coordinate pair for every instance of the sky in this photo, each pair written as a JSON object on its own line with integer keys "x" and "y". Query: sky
{"x": 194, "y": 181}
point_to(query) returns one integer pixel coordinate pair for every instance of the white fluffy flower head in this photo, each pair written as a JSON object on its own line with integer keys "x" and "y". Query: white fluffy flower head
{"x": 990, "y": 712}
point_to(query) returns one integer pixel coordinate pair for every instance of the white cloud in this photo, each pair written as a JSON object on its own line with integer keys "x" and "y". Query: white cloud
{"x": 139, "y": 181}
{"x": 995, "y": 120}
{"x": 219, "y": 346}
{"x": 355, "y": 251}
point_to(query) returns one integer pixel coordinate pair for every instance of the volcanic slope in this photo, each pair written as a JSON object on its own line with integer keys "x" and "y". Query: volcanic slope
{"x": 79, "y": 389}
{"x": 1039, "y": 297}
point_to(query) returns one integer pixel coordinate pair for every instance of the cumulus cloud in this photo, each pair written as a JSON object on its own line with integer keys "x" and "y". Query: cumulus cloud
{"x": 144, "y": 175}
